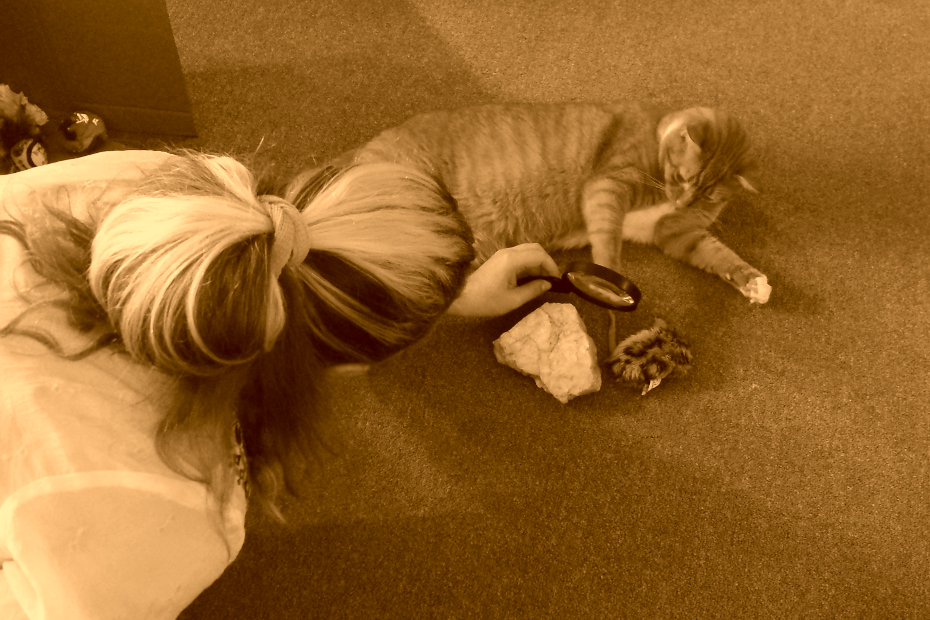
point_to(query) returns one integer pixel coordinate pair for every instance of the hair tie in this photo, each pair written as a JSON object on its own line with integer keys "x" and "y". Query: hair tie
{"x": 291, "y": 241}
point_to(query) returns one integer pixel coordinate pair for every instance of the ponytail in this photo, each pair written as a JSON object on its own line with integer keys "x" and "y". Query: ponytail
{"x": 389, "y": 254}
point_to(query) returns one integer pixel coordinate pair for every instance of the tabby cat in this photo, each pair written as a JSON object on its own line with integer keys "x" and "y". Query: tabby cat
{"x": 572, "y": 174}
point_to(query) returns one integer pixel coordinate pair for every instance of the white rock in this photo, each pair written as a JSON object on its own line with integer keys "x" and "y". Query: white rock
{"x": 552, "y": 345}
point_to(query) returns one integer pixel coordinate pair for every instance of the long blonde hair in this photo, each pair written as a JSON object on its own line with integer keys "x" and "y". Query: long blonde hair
{"x": 178, "y": 276}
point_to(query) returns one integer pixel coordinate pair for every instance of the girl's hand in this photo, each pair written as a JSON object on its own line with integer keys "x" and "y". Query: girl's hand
{"x": 492, "y": 289}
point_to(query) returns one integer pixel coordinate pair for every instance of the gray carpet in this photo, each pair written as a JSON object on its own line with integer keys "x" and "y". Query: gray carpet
{"x": 785, "y": 477}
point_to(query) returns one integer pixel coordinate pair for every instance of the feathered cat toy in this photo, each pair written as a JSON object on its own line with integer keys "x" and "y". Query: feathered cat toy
{"x": 647, "y": 357}
{"x": 19, "y": 127}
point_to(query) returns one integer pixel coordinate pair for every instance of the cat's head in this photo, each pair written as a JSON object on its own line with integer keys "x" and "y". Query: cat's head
{"x": 704, "y": 154}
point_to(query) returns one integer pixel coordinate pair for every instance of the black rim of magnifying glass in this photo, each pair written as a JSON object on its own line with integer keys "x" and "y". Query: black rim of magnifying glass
{"x": 609, "y": 275}
{"x": 582, "y": 267}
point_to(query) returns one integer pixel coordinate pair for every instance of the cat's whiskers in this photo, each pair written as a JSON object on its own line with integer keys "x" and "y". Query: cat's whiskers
{"x": 653, "y": 182}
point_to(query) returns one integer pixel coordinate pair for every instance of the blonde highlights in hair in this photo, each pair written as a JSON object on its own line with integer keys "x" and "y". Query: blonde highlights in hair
{"x": 390, "y": 252}
{"x": 178, "y": 274}
{"x": 161, "y": 263}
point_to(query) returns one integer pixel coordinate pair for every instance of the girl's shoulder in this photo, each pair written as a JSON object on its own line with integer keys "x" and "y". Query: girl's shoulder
{"x": 77, "y": 185}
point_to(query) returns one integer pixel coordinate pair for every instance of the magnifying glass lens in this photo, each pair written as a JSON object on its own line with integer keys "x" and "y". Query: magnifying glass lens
{"x": 594, "y": 283}
{"x": 601, "y": 289}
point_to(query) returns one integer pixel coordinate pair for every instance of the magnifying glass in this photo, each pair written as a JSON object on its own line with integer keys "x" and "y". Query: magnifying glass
{"x": 594, "y": 283}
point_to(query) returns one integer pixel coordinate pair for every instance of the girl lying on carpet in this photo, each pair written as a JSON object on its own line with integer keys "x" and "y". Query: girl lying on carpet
{"x": 165, "y": 324}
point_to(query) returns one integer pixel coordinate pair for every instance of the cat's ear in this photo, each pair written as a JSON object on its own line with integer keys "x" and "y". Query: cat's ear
{"x": 749, "y": 185}
{"x": 700, "y": 133}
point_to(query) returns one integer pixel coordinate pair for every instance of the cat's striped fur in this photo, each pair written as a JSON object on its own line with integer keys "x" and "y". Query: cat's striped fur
{"x": 572, "y": 174}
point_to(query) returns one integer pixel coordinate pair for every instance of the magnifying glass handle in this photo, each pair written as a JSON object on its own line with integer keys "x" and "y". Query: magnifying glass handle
{"x": 558, "y": 284}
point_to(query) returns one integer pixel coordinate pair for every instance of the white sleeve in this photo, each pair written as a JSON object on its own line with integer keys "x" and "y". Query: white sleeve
{"x": 112, "y": 544}
{"x": 93, "y": 525}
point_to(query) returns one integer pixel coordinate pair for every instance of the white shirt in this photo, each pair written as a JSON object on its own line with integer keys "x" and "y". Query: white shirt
{"x": 93, "y": 525}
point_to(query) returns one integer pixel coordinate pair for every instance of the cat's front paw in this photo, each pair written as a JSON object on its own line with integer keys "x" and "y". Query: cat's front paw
{"x": 757, "y": 290}
{"x": 752, "y": 284}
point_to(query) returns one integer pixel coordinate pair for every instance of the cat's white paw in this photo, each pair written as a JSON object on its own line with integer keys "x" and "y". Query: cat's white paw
{"x": 757, "y": 290}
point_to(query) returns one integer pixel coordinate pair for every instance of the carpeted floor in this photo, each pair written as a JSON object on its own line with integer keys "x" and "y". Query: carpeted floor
{"x": 786, "y": 477}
